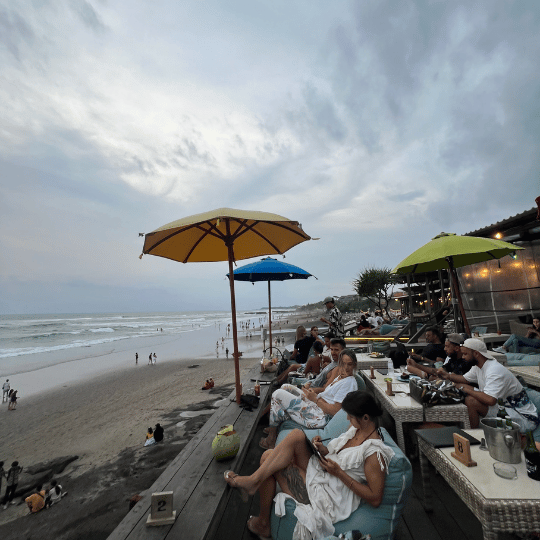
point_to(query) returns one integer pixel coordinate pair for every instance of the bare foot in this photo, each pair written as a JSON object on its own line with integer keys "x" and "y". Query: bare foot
{"x": 257, "y": 526}
{"x": 240, "y": 482}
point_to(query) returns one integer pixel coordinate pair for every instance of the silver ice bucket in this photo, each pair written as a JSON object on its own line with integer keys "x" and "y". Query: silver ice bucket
{"x": 503, "y": 444}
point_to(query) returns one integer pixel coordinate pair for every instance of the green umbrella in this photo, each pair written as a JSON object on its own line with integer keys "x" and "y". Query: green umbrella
{"x": 450, "y": 251}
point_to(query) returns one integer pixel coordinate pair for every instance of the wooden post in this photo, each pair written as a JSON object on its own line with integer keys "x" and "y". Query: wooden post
{"x": 270, "y": 317}
{"x": 455, "y": 283}
{"x": 233, "y": 312}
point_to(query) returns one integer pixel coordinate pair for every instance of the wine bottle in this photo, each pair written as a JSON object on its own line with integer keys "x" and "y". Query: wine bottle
{"x": 532, "y": 457}
{"x": 501, "y": 414}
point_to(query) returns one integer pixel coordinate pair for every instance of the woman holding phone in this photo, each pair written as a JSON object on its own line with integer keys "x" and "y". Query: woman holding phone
{"x": 327, "y": 489}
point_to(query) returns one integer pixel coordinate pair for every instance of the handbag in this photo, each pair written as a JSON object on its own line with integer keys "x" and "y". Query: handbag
{"x": 249, "y": 402}
{"x": 431, "y": 393}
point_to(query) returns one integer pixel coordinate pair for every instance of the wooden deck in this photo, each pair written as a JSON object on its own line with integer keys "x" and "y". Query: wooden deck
{"x": 450, "y": 519}
{"x": 209, "y": 510}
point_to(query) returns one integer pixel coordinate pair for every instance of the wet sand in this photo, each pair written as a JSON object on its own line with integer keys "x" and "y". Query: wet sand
{"x": 102, "y": 421}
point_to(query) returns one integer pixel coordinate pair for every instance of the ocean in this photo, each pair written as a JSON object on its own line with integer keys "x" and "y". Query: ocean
{"x": 31, "y": 342}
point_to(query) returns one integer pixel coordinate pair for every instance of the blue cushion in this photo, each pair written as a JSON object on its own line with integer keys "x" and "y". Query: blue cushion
{"x": 522, "y": 359}
{"x": 380, "y": 522}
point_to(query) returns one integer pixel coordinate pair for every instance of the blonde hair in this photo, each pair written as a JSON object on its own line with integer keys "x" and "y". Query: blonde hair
{"x": 300, "y": 332}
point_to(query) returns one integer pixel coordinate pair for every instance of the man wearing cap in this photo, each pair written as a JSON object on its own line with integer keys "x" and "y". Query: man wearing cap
{"x": 335, "y": 319}
{"x": 494, "y": 382}
{"x": 454, "y": 362}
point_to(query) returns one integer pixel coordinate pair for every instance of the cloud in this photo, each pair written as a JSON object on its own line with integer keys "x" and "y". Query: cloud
{"x": 375, "y": 124}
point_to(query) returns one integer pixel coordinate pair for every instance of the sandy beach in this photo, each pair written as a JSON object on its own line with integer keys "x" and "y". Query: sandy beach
{"x": 102, "y": 421}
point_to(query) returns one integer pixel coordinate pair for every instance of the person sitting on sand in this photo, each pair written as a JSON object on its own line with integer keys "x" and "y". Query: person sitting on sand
{"x": 55, "y": 494}
{"x": 208, "y": 384}
{"x": 158, "y": 433}
{"x": 149, "y": 433}
{"x": 36, "y": 501}
{"x": 307, "y": 407}
{"x": 352, "y": 471}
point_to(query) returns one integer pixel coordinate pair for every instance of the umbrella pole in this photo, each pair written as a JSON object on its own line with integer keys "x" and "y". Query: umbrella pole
{"x": 458, "y": 295}
{"x": 235, "y": 335}
{"x": 270, "y": 317}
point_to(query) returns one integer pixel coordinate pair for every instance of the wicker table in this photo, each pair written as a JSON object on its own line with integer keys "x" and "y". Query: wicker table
{"x": 365, "y": 362}
{"x": 500, "y": 505}
{"x": 403, "y": 408}
{"x": 530, "y": 374}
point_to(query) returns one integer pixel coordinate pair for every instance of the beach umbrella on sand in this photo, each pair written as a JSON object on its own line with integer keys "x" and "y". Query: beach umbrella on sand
{"x": 269, "y": 269}
{"x": 450, "y": 251}
{"x": 229, "y": 235}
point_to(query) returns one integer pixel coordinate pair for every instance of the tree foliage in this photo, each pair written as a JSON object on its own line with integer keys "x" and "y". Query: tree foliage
{"x": 377, "y": 285}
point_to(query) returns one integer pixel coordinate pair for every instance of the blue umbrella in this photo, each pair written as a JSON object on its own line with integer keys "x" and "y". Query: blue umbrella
{"x": 269, "y": 269}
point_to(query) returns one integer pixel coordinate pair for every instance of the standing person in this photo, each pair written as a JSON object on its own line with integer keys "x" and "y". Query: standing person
{"x": 5, "y": 391}
{"x": 155, "y": 359}
{"x": 335, "y": 319}
{"x": 2, "y": 474}
{"x": 136, "y": 358}
{"x": 12, "y": 478}
{"x": 227, "y": 352}
{"x": 13, "y": 400}
{"x": 150, "y": 359}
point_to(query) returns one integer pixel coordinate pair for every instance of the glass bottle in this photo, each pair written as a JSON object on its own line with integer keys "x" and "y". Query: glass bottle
{"x": 532, "y": 457}
{"x": 501, "y": 414}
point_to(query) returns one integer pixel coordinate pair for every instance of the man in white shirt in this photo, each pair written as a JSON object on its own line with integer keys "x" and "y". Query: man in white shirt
{"x": 5, "y": 391}
{"x": 494, "y": 382}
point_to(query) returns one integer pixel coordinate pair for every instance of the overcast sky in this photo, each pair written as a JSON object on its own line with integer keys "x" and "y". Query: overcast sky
{"x": 376, "y": 124}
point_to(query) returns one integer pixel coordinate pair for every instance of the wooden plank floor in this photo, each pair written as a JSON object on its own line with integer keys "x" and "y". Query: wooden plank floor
{"x": 450, "y": 519}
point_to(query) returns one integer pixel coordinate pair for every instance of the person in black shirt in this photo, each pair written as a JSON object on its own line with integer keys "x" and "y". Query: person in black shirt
{"x": 158, "y": 433}
{"x": 434, "y": 351}
{"x": 454, "y": 362}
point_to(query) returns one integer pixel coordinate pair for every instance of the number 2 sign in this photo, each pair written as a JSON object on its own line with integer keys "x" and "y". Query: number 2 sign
{"x": 162, "y": 512}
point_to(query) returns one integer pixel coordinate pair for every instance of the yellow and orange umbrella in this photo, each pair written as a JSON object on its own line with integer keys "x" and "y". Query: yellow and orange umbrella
{"x": 229, "y": 235}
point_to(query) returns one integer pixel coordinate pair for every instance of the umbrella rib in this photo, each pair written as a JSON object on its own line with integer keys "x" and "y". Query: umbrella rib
{"x": 169, "y": 236}
{"x": 206, "y": 233}
{"x": 247, "y": 228}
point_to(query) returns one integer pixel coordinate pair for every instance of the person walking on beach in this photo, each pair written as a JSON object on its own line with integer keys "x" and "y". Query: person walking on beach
{"x": 150, "y": 359}
{"x": 12, "y": 483}
{"x": 154, "y": 361}
{"x": 136, "y": 358}
{"x": 5, "y": 391}
{"x": 227, "y": 352}
{"x": 12, "y": 400}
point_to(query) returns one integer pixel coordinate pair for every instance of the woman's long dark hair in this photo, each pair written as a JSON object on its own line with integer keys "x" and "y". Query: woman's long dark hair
{"x": 359, "y": 403}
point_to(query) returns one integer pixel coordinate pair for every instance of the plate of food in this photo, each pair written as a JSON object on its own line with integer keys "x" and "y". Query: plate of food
{"x": 376, "y": 355}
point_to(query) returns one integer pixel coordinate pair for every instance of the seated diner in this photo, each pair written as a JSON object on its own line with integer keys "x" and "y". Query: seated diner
{"x": 307, "y": 407}
{"x": 351, "y": 470}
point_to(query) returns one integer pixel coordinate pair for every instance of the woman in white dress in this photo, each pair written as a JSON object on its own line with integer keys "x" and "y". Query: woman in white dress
{"x": 307, "y": 407}
{"x": 350, "y": 472}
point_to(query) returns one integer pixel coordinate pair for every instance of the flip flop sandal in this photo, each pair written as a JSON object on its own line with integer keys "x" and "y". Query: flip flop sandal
{"x": 264, "y": 445}
{"x": 230, "y": 479}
